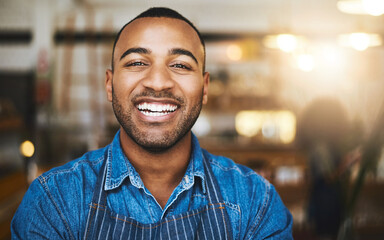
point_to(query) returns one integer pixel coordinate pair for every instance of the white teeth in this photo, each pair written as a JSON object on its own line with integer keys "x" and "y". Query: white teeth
{"x": 156, "y": 109}
{"x": 154, "y": 114}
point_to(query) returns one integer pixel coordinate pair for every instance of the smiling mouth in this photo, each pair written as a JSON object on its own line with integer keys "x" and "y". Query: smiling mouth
{"x": 156, "y": 110}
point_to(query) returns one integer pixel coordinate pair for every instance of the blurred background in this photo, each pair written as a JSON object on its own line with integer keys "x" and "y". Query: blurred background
{"x": 296, "y": 94}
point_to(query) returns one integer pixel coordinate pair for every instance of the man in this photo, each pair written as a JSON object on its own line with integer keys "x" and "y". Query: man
{"x": 153, "y": 181}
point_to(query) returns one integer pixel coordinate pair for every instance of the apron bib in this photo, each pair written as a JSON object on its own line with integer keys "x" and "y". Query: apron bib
{"x": 208, "y": 222}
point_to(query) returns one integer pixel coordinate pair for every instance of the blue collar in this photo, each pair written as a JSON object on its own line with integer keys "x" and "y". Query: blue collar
{"x": 119, "y": 167}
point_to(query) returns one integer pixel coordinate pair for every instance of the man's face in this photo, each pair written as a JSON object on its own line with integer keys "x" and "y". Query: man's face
{"x": 157, "y": 87}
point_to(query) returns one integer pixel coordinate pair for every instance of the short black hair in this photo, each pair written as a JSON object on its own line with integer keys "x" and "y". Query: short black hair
{"x": 159, "y": 12}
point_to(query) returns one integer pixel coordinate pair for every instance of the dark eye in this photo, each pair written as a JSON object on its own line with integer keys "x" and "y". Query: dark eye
{"x": 179, "y": 65}
{"x": 136, "y": 63}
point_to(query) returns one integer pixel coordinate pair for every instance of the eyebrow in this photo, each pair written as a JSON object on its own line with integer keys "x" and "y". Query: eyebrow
{"x": 181, "y": 51}
{"x": 135, "y": 50}
{"x": 173, "y": 51}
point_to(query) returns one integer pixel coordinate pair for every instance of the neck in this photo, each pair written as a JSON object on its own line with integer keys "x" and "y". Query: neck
{"x": 160, "y": 172}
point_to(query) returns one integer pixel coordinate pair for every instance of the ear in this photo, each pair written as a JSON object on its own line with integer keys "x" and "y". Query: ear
{"x": 205, "y": 87}
{"x": 108, "y": 83}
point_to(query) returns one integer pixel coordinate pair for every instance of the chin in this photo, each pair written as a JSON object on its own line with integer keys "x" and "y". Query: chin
{"x": 157, "y": 143}
{"x": 155, "y": 146}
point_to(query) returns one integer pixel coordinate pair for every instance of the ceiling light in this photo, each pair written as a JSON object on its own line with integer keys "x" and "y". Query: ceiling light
{"x": 359, "y": 40}
{"x": 374, "y": 7}
{"x": 285, "y": 42}
{"x": 371, "y": 7}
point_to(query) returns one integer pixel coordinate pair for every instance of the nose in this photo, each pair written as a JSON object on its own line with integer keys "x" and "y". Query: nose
{"x": 158, "y": 79}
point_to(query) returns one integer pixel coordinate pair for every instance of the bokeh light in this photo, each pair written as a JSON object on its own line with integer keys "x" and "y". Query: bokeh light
{"x": 287, "y": 42}
{"x": 373, "y": 7}
{"x": 234, "y": 52}
{"x": 273, "y": 125}
{"x": 27, "y": 149}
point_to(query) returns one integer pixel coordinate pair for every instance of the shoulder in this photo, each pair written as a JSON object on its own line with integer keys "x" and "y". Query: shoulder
{"x": 226, "y": 170}
{"x": 85, "y": 167}
{"x": 88, "y": 161}
{"x": 73, "y": 182}
{"x": 57, "y": 201}
{"x": 255, "y": 206}
{"x": 239, "y": 185}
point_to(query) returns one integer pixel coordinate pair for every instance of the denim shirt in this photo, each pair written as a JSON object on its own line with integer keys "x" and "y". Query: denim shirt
{"x": 56, "y": 204}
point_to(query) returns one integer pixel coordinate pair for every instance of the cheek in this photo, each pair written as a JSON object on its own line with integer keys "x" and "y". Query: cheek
{"x": 194, "y": 94}
{"x": 192, "y": 87}
{"x": 124, "y": 84}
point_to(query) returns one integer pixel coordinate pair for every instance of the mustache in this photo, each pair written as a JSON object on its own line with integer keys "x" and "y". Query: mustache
{"x": 156, "y": 94}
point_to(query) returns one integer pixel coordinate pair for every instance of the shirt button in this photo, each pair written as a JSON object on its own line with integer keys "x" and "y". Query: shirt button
{"x": 186, "y": 179}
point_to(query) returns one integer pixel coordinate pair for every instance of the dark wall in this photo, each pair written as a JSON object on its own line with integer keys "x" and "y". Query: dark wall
{"x": 17, "y": 92}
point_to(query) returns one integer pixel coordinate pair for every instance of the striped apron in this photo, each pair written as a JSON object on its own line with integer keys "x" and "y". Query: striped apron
{"x": 208, "y": 222}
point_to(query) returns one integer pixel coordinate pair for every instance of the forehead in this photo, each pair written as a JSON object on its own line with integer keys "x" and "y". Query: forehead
{"x": 155, "y": 32}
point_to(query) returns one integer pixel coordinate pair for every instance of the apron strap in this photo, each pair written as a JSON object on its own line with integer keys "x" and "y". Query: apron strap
{"x": 99, "y": 195}
{"x": 97, "y": 206}
{"x": 213, "y": 190}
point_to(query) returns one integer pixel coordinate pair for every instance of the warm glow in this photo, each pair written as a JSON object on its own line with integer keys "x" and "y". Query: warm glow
{"x": 248, "y": 123}
{"x": 360, "y": 41}
{"x": 269, "y": 128}
{"x": 27, "y": 149}
{"x": 287, "y": 42}
{"x": 331, "y": 55}
{"x": 350, "y": 6}
{"x": 371, "y": 7}
{"x": 330, "y": 58}
{"x": 234, "y": 52}
{"x": 273, "y": 125}
{"x": 305, "y": 62}
{"x": 374, "y": 7}
{"x": 287, "y": 126}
